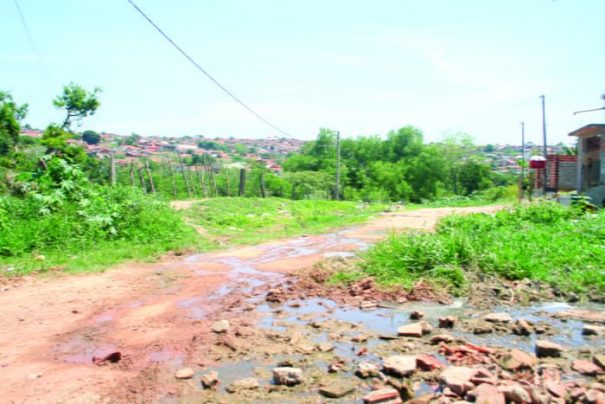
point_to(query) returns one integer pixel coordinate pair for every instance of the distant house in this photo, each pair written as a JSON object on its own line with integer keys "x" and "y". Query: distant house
{"x": 32, "y": 133}
{"x": 590, "y": 177}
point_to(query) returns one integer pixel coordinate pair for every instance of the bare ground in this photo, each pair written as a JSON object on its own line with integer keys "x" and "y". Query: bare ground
{"x": 157, "y": 316}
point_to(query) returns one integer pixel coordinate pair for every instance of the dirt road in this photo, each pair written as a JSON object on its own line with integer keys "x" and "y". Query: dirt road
{"x": 158, "y": 316}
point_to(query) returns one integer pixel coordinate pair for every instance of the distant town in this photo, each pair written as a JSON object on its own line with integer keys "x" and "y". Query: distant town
{"x": 269, "y": 152}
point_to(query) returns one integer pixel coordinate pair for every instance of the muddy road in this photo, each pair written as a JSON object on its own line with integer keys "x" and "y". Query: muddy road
{"x": 123, "y": 335}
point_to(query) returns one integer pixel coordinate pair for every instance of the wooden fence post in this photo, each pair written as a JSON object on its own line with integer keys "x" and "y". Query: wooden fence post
{"x": 242, "y": 181}
{"x": 148, "y": 171}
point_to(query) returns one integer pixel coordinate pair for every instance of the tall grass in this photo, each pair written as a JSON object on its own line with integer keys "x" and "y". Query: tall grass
{"x": 548, "y": 242}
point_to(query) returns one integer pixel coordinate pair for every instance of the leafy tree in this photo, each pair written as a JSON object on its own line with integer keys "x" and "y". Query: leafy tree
{"x": 10, "y": 115}
{"x": 77, "y": 103}
{"x": 91, "y": 137}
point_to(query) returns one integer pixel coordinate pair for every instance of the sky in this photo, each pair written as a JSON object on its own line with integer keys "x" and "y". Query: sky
{"x": 360, "y": 67}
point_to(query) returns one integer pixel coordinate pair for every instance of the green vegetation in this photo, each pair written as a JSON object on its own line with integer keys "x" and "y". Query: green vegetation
{"x": 253, "y": 220}
{"x": 400, "y": 167}
{"x": 546, "y": 242}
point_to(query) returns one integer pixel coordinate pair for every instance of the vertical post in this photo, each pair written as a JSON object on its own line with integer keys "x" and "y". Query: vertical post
{"x": 212, "y": 180}
{"x": 263, "y": 192}
{"x": 242, "y": 181}
{"x": 202, "y": 180}
{"x": 184, "y": 174}
{"x": 132, "y": 181}
{"x": 142, "y": 180}
{"x": 148, "y": 171}
{"x": 228, "y": 182}
{"x": 172, "y": 179}
{"x": 523, "y": 159}
{"x": 545, "y": 143}
{"x": 337, "y": 187}
{"x": 112, "y": 172}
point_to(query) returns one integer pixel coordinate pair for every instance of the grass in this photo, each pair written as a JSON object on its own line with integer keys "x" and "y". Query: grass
{"x": 560, "y": 246}
{"x": 253, "y": 220}
{"x": 124, "y": 225}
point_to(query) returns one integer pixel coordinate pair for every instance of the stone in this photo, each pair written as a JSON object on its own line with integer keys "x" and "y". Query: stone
{"x": 400, "y": 365}
{"x": 416, "y": 315}
{"x": 598, "y": 386}
{"x": 516, "y": 359}
{"x": 287, "y": 376}
{"x": 599, "y": 360}
{"x": 325, "y": 346}
{"x": 428, "y": 363}
{"x": 556, "y": 389}
{"x": 410, "y": 330}
{"x": 360, "y": 338}
{"x": 483, "y": 327}
{"x": 487, "y": 394}
{"x": 185, "y": 373}
{"x": 458, "y": 379}
{"x": 546, "y": 348}
{"x": 220, "y": 327}
{"x": 515, "y": 394}
{"x": 305, "y": 348}
{"x": 522, "y": 327}
{"x": 498, "y": 318}
{"x": 426, "y": 327}
{"x": 386, "y": 395}
{"x": 367, "y": 369}
{"x": 249, "y": 383}
{"x": 447, "y": 322}
{"x": 590, "y": 329}
{"x": 367, "y": 305}
{"x": 210, "y": 380}
{"x": 337, "y": 389}
{"x": 585, "y": 367}
{"x": 595, "y": 396}
{"x": 441, "y": 338}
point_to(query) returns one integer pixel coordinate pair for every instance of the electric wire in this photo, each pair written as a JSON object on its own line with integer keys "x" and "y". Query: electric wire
{"x": 32, "y": 44}
{"x": 201, "y": 69}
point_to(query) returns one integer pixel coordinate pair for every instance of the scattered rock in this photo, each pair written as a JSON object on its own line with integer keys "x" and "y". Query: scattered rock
{"x": 585, "y": 367}
{"x": 548, "y": 349}
{"x": 441, "y": 338}
{"x": 556, "y": 389}
{"x": 366, "y": 369}
{"x": 517, "y": 359}
{"x": 411, "y": 330}
{"x": 599, "y": 360}
{"x": 482, "y": 327}
{"x": 426, "y": 327}
{"x": 590, "y": 329}
{"x": 249, "y": 383}
{"x": 325, "y": 346}
{"x": 34, "y": 376}
{"x": 522, "y": 327}
{"x": 458, "y": 379}
{"x": 360, "y": 338}
{"x": 337, "y": 389}
{"x": 447, "y": 322}
{"x": 386, "y": 395}
{"x": 111, "y": 357}
{"x": 276, "y": 296}
{"x": 428, "y": 363}
{"x": 487, "y": 394}
{"x": 416, "y": 315}
{"x": 515, "y": 394}
{"x": 595, "y": 396}
{"x": 287, "y": 376}
{"x": 210, "y": 380}
{"x": 498, "y": 318}
{"x": 400, "y": 365}
{"x": 220, "y": 327}
{"x": 367, "y": 305}
{"x": 185, "y": 373}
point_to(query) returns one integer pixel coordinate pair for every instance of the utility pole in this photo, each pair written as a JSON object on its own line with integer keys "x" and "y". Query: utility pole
{"x": 337, "y": 187}
{"x": 522, "y": 159}
{"x": 545, "y": 144}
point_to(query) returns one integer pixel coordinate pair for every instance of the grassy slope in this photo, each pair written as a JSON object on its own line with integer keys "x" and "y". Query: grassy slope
{"x": 225, "y": 221}
{"x": 557, "y": 245}
{"x": 254, "y": 220}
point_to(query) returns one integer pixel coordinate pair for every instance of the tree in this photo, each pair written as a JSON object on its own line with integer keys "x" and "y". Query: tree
{"x": 91, "y": 137}
{"x": 77, "y": 103}
{"x": 10, "y": 115}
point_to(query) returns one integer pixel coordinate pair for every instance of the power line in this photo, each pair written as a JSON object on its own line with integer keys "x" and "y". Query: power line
{"x": 34, "y": 47}
{"x": 201, "y": 69}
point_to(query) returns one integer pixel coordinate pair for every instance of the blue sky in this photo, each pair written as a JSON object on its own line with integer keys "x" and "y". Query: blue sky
{"x": 358, "y": 66}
